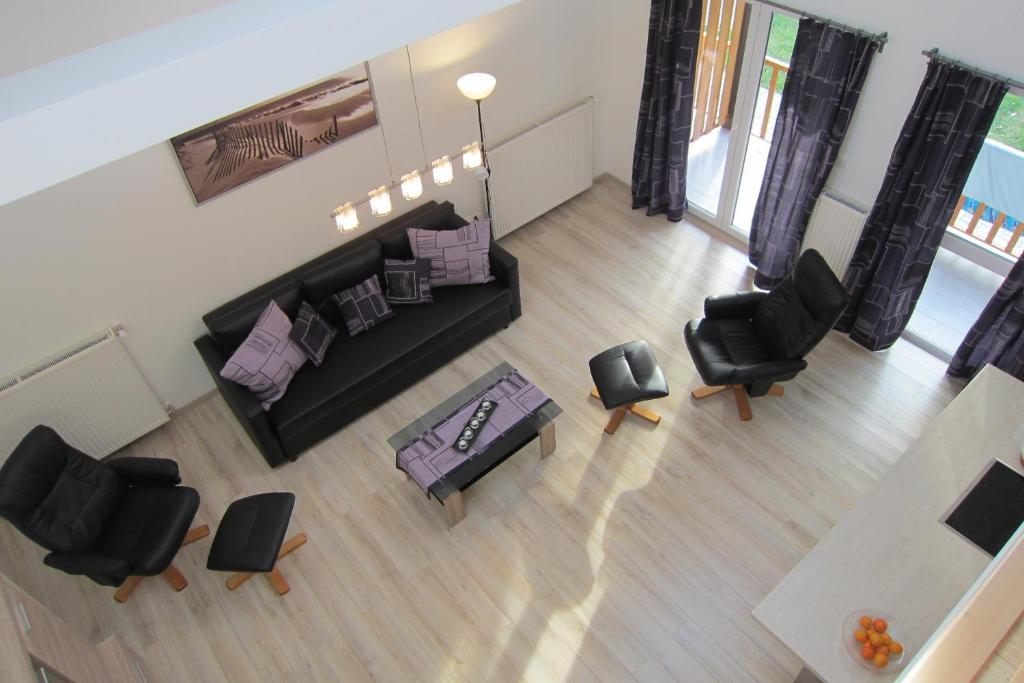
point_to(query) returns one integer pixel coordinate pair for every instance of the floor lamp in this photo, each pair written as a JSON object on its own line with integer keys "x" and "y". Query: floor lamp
{"x": 477, "y": 86}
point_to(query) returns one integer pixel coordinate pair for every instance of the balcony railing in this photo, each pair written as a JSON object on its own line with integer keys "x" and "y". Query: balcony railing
{"x": 992, "y": 235}
{"x": 775, "y": 67}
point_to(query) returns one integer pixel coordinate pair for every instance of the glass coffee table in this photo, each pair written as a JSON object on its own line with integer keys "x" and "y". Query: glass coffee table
{"x": 516, "y": 412}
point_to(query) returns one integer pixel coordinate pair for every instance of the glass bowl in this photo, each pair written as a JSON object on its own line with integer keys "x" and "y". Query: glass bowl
{"x": 850, "y": 644}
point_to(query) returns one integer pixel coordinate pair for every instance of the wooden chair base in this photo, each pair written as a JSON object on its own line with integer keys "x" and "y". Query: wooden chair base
{"x": 172, "y": 575}
{"x": 620, "y": 414}
{"x": 274, "y": 577}
{"x": 739, "y": 395}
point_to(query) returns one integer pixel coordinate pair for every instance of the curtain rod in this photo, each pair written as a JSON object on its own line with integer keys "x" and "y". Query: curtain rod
{"x": 880, "y": 38}
{"x": 936, "y": 55}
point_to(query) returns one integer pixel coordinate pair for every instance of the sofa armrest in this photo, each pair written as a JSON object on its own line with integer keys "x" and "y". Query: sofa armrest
{"x": 146, "y": 471}
{"x": 505, "y": 268}
{"x": 243, "y": 404}
{"x": 738, "y": 305}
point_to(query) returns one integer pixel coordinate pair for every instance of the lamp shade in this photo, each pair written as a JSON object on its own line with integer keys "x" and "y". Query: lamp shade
{"x": 380, "y": 201}
{"x": 476, "y": 86}
{"x": 345, "y": 217}
{"x": 472, "y": 156}
{"x": 442, "y": 170}
{"x": 412, "y": 185}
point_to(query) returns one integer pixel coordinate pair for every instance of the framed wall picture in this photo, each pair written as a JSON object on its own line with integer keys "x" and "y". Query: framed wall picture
{"x": 224, "y": 154}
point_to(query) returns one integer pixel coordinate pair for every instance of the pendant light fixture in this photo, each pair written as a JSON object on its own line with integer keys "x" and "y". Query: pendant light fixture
{"x": 345, "y": 217}
{"x": 412, "y": 185}
{"x": 380, "y": 201}
{"x": 442, "y": 170}
{"x": 472, "y": 156}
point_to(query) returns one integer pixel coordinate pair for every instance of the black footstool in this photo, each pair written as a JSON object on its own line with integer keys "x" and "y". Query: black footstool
{"x": 250, "y": 539}
{"x": 623, "y": 376}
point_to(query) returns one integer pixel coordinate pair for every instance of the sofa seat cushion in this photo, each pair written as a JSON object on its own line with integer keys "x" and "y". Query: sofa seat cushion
{"x": 356, "y": 363}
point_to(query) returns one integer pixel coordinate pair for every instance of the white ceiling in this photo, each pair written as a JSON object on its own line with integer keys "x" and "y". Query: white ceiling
{"x": 135, "y": 74}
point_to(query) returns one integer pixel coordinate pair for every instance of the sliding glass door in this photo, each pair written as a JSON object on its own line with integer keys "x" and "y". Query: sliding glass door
{"x": 983, "y": 240}
{"x": 734, "y": 114}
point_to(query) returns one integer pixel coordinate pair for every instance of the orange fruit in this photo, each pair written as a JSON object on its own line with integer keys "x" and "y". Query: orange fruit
{"x": 881, "y": 661}
{"x": 886, "y": 639}
{"x": 880, "y": 625}
{"x": 865, "y": 622}
{"x": 896, "y": 647}
{"x": 867, "y": 652}
{"x": 882, "y": 650}
{"x": 874, "y": 638}
{"x": 860, "y": 635}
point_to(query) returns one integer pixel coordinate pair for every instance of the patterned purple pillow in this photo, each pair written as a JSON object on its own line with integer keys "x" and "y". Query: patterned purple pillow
{"x": 457, "y": 257}
{"x": 267, "y": 359}
{"x": 407, "y": 282}
{"x": 363, "y": 306}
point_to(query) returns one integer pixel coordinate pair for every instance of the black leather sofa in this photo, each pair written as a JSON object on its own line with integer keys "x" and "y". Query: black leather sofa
{"x": 358, "y": 373}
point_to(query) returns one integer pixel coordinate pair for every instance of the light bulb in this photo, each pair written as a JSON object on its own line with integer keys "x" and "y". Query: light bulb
{"x": 412, "y": 185}
{"x": 380, "y": 201}
{"x": 442, "y": 170}
{"x": 472, "y": 156}
{"x": 345, "y": 217}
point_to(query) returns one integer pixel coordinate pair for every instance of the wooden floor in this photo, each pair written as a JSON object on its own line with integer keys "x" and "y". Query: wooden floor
{"x": 633, "y": 556}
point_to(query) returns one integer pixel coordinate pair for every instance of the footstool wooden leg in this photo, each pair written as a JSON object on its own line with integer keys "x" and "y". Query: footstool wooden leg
{"x": 616, "y": 419}
{"x": 546, "y": 437}
{"x": 455, "y": 506}
{"x": 742, "y": 403}
{"x": 236, "y": 580}
{"x": 594, "y": 393}
{"x": 645, "y": 413}
{"x": 175, "y": 578}
{"x": 291, "y": 545}
{"x": 276, "y": 579}
{"x": 127, "y": 588}
{"x": 776, "y": 390}
{"x": 704, "y": 392}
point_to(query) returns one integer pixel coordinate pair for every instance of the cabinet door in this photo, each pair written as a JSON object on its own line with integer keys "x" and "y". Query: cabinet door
{"x": 52, "y": 642}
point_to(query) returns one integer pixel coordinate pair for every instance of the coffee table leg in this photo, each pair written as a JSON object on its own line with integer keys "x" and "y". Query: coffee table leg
{"x": 547, "y": 439}
{"x": 455, "y": 507}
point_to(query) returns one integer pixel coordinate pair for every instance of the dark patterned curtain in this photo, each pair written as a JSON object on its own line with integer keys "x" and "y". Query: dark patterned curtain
{"x": 929, "y": 166}
{"x": 997, "y": 337}
{"x": 666, "y": 108}
{"x": 824, "y": 82}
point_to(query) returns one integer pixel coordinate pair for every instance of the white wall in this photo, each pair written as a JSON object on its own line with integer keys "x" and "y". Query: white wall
{"x": 125, "y": 243}
{"x": 984, "y": 33}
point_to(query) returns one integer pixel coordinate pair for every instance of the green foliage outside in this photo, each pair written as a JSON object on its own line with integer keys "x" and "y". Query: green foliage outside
{"x": 1007, "y": 128}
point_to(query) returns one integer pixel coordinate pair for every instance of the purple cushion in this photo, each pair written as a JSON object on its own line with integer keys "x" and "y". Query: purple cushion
{"x": 267, "y": 359}
{"x": 363, "y": 306}
{"x": 407, "y": 282}
{"x": 457, "y": 257}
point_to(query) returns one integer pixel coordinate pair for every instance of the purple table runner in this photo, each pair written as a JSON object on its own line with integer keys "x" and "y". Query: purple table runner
{"x": 431, "y": 455}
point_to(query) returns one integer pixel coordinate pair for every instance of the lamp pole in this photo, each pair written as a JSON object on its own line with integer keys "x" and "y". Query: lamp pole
{"x": 483, "y": 152}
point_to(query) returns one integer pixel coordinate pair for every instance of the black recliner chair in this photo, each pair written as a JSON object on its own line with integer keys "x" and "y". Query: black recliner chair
{"x": 114, "y": 521}
{"x": 750, "y": 341}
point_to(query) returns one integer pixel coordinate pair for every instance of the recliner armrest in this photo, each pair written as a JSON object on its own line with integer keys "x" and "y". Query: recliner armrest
{"x": 87, "y": 564}
{"x": 505, "y": 268}
{"x": 146, "y": 471}
{"x": 738, "y": 305}
{"x": 243, "y": 404}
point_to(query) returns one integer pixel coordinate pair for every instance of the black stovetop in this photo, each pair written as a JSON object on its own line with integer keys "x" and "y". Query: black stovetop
{"x": 991, "y": 512}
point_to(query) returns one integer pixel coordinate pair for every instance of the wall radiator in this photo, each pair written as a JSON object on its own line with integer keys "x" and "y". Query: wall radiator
{"x": 92, "y": 393}
{"x": 536, "y": 171}
{"x": 834, "y": 230}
